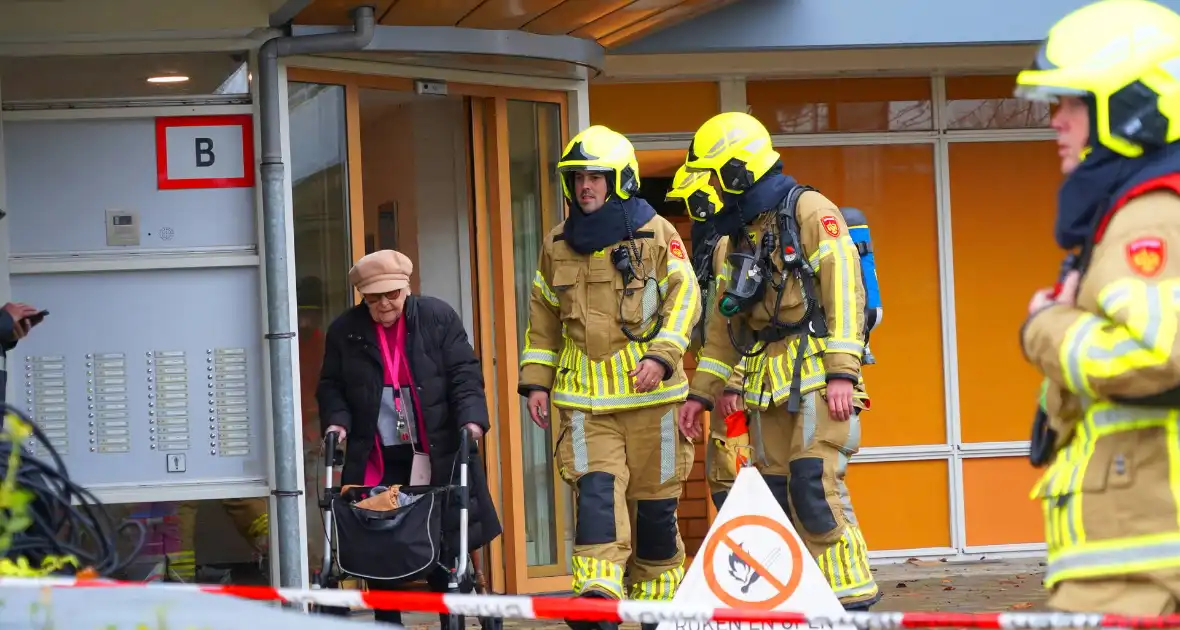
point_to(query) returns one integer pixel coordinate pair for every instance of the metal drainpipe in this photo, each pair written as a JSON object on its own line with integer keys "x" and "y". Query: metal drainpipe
{"x": 287, "y": 447}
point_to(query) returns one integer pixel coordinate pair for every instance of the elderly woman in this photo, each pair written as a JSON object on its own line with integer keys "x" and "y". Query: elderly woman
{"x": 399, "y": 382}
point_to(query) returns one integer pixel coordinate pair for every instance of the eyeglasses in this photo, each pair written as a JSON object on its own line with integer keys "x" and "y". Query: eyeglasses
{"x": 392, "y": 296}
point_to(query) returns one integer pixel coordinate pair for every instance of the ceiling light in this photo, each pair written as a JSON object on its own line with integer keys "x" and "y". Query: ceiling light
{"x": 172, "y": 78}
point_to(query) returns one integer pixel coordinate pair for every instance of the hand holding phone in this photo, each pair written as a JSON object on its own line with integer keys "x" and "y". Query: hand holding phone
{"x": 19, "y": 313}
{"x": 36, "y": 318}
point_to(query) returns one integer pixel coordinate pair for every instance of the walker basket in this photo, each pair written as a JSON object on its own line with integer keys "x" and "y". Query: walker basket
{"x": 401, "y": 545}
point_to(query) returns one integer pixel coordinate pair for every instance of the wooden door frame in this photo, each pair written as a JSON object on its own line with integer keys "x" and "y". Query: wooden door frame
{"x": 490, "y": 213}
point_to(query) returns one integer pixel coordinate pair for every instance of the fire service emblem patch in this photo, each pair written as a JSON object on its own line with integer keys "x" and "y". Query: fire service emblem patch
{"x": 831, "y": 226}
{"x": 1146, "y": 255}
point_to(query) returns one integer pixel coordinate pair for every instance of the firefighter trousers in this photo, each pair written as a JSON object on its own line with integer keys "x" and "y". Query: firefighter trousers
{"x": 803, "y": 458}
{"x": 249, "y": 517}
{"x": 639, "y": 457}
{"x": 1145, "y": 594}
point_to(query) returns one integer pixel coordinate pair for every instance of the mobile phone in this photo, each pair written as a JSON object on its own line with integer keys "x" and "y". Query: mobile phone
{"x": 36, "y": 318}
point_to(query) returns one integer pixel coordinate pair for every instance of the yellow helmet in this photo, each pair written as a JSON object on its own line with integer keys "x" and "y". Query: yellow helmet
{"x": 599, "y": 148}
{"x": 736, "y": 147}
{"x": 692, "y": 187}
{"x": 1119, "y": 56}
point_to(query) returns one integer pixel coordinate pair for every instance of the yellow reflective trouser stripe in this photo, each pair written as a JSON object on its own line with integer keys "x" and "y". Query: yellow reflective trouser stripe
{"x": 669, "y": 440}
{"x": 580, "y": 447}
{"x": 592, "y": 574}
{"x": 605, "y": 386}
{"x": 181, "y": 564}
{"x": 846, "y": 565}
{"x": 661, "y": 589}
{"x": 259, "y": 527}
{"x": 1142, "y": 338}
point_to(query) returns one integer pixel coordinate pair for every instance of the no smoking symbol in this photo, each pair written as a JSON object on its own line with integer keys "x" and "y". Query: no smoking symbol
{"x": 745, "y": 565}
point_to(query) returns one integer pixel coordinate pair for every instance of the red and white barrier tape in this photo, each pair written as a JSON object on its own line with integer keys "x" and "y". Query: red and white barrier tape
{"x": 561, "y": 608}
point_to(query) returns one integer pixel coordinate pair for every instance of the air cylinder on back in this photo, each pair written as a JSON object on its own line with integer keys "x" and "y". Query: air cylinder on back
{"x": 858, "y": 230}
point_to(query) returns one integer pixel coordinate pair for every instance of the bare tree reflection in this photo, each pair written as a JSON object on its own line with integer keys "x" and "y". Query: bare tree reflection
{"x": 996, "y": 113}
{"x": 851, "y": 117}
{"x": 877, "y": 116}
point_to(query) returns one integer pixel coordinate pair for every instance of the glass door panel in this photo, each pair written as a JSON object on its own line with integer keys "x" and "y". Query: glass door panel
{"x": 323, "y": 255}
{"x": 534, "y": 146}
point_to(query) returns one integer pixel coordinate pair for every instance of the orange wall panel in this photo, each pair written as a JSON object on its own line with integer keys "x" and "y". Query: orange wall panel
{"x": 894, "y": 186}
{"x": 999, "y": 512}
{"x": 980, "y": 87}
{"x": 902, "y": 505}
{"x": 653, "y": 107}
{"x": 996, "y": 272}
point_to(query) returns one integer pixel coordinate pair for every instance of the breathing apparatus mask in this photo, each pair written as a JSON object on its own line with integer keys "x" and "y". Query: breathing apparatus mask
{"x": 747, "y": 283}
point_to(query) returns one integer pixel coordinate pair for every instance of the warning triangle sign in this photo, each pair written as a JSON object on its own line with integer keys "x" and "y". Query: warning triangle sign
{"x": 752, "y": 559}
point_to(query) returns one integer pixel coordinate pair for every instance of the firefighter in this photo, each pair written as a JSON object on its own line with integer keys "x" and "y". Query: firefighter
{"x": 700, "y": 201}
{"x": 613, "y": 303}
{"x": 1106, "y": 337}
{"x": 722, "y": 457}
{"x": 792, "y": 303}
{"x": 249, "y": 517}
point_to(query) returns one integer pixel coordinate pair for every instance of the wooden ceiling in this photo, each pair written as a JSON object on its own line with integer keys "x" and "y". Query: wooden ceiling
{"x": 611, "y": 23}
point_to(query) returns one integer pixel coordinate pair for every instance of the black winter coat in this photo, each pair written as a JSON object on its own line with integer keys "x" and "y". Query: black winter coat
{"x": 449, "y": 384}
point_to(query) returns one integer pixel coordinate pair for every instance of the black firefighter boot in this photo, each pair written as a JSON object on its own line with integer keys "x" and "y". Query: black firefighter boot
{"x": 863, "y": 606}
{"x": 593, "y": 625}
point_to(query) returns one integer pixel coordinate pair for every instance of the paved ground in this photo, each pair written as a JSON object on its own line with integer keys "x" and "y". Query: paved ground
{"x": 995, "y": 586}
{"x": 916, "y": 585}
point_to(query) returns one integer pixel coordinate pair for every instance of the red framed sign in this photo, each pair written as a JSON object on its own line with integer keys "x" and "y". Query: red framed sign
{"x": 205, "y": 152}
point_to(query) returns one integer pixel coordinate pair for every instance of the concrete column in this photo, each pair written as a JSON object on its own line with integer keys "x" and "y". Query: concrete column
{"x": 731, "y": 95}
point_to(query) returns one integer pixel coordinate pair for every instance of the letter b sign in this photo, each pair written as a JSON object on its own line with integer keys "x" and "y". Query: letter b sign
{"x": 205, "y": 156}
{"x": 205, "y": 152}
